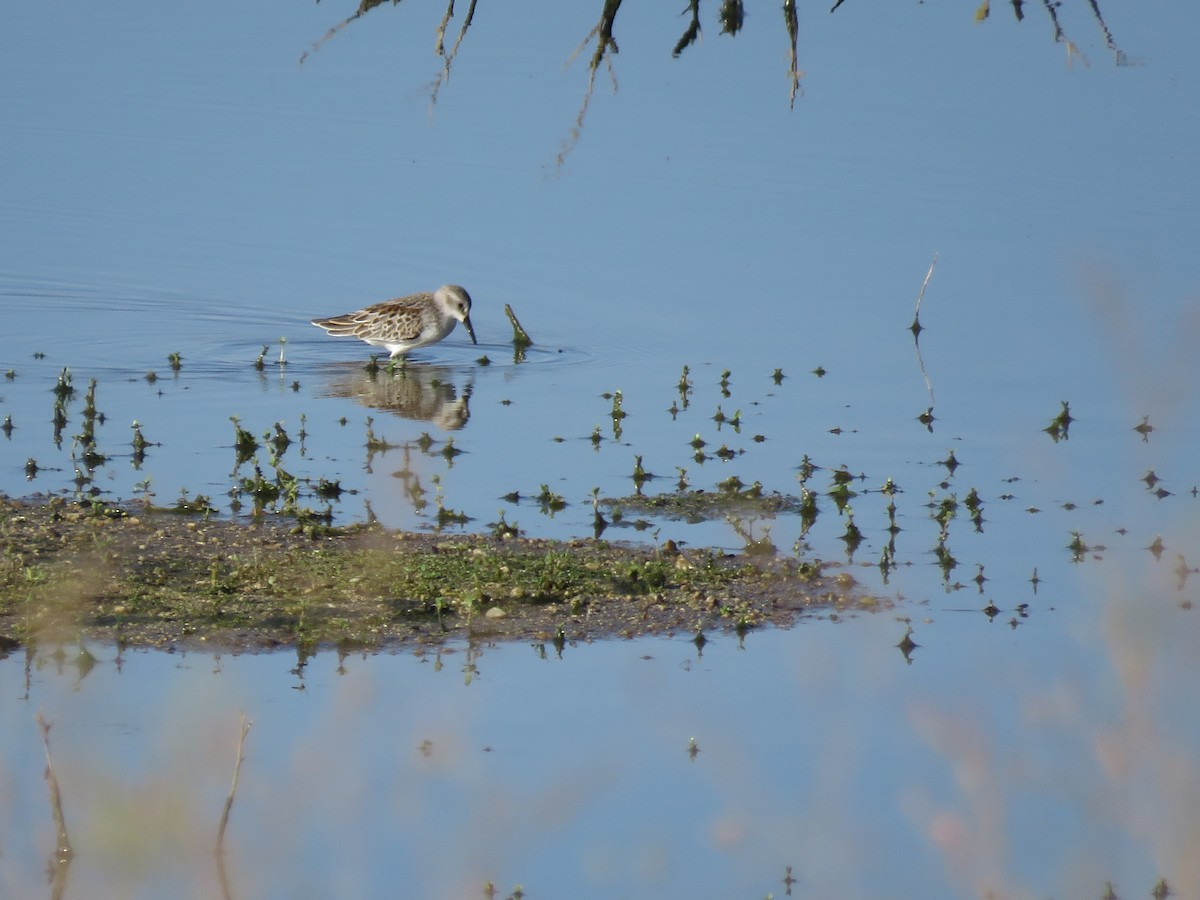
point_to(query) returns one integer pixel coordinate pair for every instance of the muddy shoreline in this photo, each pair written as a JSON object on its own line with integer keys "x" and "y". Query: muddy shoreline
{"x": 154, "y": 578}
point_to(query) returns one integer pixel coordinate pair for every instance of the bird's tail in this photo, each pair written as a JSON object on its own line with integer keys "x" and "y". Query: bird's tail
{"x": 339, "y": 326}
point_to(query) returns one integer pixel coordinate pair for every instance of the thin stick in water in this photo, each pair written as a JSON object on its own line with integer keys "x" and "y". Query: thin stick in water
{"x": 916, "y": 324}
{"x": 237, "y": 770}
{"x": 63, "y": 851}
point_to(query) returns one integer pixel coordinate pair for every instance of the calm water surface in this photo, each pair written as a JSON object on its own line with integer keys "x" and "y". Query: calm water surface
{"x": 180, "y": 183}
{"x": 1034, "y": 762}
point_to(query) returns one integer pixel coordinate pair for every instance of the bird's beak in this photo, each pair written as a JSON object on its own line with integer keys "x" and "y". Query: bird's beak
{"x": 471, "y": 331}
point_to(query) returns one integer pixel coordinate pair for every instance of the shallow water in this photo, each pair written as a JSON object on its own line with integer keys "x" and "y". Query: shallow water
{"x": 1040, "y": 761}
{"x": 180, "y": 183}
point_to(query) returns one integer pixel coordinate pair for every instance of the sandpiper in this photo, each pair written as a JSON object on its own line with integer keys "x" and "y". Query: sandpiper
{"x": 406, "y": 323}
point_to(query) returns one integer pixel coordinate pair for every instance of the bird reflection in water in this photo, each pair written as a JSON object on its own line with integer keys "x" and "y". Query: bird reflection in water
{"x": 436, "y": 394}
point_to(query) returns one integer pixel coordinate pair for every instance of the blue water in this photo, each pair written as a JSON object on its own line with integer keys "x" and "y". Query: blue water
{"x": 1039, "y": 761}
{"x": 214, "y": 205}
{"x": 176, "y": 181}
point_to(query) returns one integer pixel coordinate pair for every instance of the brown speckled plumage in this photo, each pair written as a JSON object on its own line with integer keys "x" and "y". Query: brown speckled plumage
{"x": 406, "y": 323}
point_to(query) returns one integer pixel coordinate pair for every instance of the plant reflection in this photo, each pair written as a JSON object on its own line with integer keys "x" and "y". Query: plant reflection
{"x": 60, "y": 863}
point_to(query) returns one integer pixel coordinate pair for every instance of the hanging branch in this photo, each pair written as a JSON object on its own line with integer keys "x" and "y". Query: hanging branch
{"x": 602, "y": 31}
{"x": 793, "y": 29}
{"x": 1060, "y": 36}
{"x": 1118, "y": 54}
{"x": 440, "y": 49}
{"x": 732, "y": 14}
{"x": 364, "y": 7}
{"x": 693, "y": 29}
